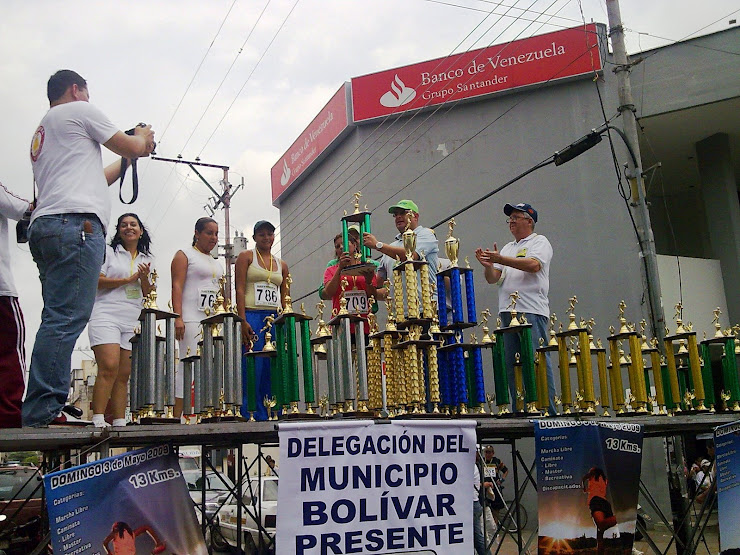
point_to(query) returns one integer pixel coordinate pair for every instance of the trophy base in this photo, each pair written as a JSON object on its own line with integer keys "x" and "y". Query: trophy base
{"x": 425, "y": 416}
{"x": 300, "y": 416}
{"x": 147, "y": 420}
{"x": 359, "y": 414}
{"x": 578, "y": 414}
{"x": 358, "y": 269}
{"x": 229, "y": 418}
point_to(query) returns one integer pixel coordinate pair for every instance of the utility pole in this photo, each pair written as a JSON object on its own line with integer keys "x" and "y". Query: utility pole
{"x": 221, "y": 199}
{"x": 674, "y": 445}
{"x": 622, "y": 68}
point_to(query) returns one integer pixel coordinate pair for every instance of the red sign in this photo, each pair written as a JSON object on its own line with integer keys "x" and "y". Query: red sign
{"x": 307, "y": 150}
{"x": 503, "y": 67}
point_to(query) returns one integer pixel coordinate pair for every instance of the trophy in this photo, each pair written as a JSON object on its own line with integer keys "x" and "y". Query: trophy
{"x": 364, "y": 254}
{"x": 729, "y": 387}
{"x": 650, "y": 349}
{"x": 528, "y": 399}
{"x": 456, "y": 276}
{"x": 541, "y": 354}
{"x": 220, "y": 364}
{"x": 685, "y": 379}
{"x": 250, "y": 366}
{"x": 153, "y": 374}
{"x": 347, "y": 367}
{"x": 636, "y": 404}
{"x": 287, "y": 387}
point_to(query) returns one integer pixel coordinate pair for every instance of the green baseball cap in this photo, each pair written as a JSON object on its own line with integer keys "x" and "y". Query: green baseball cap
{"x": 404, "y": 205}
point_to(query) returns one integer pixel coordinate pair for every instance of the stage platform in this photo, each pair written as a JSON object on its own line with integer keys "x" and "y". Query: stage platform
{"x": 229, "y": 434}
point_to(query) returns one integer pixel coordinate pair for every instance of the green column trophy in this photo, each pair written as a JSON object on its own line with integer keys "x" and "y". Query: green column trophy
{"x": 729, "y": 387}
{"x": 523, "y": 369}
{"x": 288, "y": 325}
{"x": 364, "y": 254}
{"x": 691, "y": 397}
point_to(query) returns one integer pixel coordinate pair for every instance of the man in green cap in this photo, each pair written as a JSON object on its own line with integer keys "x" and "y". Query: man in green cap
{"x": 405, "y": 212}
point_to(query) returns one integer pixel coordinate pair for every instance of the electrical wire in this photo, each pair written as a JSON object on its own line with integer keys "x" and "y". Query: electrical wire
{"x": 248, "y": 77}
{"x": 472, "y": 8}
{"x": 197, "y": 70}
{"x": 396, "y": 114}
{"x": 463, "y": 144}
{"x": 228, "y": 71}
{"x": 444, "y": 106}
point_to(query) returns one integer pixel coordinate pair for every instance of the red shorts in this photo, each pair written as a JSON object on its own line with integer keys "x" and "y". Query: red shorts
{"x": 12, "y": 361}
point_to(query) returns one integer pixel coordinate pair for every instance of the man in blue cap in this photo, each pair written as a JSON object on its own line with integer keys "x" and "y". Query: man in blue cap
{"x": 523, "y": 265}
{"x": 405, "y": 212}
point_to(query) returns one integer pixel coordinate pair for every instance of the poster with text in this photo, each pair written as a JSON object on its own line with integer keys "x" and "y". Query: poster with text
{"x": 361, "y": 487}
{"x": 133, "y": 503}
{"x": 588, "y": 479}
{"x": 727, "y": 470}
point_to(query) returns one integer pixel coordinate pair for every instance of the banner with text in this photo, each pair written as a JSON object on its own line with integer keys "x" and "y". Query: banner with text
{"x": 361, "y": 487}
{"x": 727, "y": 471}
{"x": 588, "y": 479}
{"x": 502, "y": 67}
{"x": 137, "y": 502}
{"x": 330, "y": 125}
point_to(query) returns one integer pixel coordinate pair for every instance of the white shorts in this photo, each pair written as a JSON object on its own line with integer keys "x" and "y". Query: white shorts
{"x": 190, "y": 341}
{"x": 104, "y": 332}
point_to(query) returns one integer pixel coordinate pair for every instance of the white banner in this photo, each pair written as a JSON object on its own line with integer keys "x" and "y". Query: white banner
{"x": 361, "y": 487}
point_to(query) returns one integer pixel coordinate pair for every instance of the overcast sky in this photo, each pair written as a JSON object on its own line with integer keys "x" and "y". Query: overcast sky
{"x": 263, "y": 72}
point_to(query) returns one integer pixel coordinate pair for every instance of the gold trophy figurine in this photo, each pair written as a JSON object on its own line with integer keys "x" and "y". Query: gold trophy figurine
{"x": 512, "y": 305}
{"x": 452, "y": 244}
{"x": 357, "y": 196}
{"x": 571, "y": 313}
{"x": 269, "y": 345}
{"x": 218, "y": 305}
{"x": 288, "y": 300}
{"x": 718, "y": 328}
{"x": 409, "y": 239}
{"x": 485, "y": 315}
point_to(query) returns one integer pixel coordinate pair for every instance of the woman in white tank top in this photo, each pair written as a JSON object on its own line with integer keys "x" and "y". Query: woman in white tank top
{"x": 195, "y": 284}
{"x": 260, "y": 290}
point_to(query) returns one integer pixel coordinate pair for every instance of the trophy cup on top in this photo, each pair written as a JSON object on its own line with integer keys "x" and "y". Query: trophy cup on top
{"x": 364, "y": 254}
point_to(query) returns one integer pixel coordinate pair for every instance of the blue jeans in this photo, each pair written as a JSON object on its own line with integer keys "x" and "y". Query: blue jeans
{"x": 479, "y": 538}
{"x": 69, "y": 261}
{"x": 263, "y": 387}
{"x": 511, "y": 347}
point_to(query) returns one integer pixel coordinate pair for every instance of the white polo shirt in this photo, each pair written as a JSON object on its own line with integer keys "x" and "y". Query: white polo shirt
{"x": 122, "y": 304}
{"x": 534, "y": 287}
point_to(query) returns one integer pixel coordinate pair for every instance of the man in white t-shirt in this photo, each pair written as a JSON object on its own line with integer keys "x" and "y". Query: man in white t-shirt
{"x": 523, "y": 265}
{"x": 67, "y": 232}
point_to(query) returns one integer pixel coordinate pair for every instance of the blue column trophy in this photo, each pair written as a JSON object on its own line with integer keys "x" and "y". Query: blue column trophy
{"x": 461, "y": 367}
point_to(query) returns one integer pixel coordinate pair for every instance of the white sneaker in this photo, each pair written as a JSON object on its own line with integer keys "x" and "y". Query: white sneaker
{"x": 65, "y": 419}
{"x": 636, "y": 551}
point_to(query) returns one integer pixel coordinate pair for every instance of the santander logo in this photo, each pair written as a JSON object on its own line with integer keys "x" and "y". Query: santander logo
{"x": 399, "y": 94}
{"x": 286, "y": 174}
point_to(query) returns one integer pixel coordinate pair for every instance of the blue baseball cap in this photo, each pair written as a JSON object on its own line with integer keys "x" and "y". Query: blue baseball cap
{"x": 521, "y": 207}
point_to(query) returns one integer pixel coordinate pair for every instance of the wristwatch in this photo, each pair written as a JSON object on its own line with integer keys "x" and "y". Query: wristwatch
{"x": 379, "y": 245}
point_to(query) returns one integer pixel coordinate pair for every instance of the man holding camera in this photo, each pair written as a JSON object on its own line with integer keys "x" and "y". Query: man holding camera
{"x": 67, "y": 232}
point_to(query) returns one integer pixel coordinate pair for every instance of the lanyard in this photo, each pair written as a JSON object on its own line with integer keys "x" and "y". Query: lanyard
{"x": 269, "y": 271}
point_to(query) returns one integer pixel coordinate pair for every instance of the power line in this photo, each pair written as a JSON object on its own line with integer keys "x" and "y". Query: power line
{"x": 441, "y": 106}
{"x": 249, "y": 77}
{"x": 233, "y": 62}
{"x": 329, "y": 182}
{"x": 416, "y": 114}
{"x": 213, "y": 41}
{"x": 472, "y": 8}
